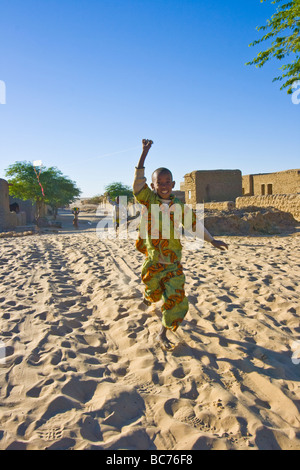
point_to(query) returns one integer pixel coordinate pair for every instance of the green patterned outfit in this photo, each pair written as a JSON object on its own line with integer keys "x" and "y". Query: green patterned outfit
{"x": 162, "y": 271}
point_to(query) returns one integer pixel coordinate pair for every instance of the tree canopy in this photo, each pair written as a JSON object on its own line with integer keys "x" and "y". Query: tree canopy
{"x": 59, "y": 190}
{"x": 119, "y": 189}
{"x": 283, "y": 29}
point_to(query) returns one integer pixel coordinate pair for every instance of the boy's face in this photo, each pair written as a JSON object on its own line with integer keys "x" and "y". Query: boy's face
{"x": 163, "y": 184}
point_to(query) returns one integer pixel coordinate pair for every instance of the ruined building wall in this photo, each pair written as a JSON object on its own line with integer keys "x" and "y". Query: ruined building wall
{"x": 220, "y": 206}
{"x": 282, "y": 182}
{"x": 190, "y": 188}
{"x": 212, "y": 186}
{"x": 8, "y": 220}
{"x": 284, "y": 202}
{"x": 247, "y": 181}
{"x": 4, "y": 204}
{"x": 25, "y": 206}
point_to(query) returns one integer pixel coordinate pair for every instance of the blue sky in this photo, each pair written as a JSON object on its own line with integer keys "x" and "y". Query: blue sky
{"x": 86, "y": 80}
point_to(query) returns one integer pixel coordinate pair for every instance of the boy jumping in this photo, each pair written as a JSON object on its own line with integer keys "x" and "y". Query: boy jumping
{"x": 162, "y": 271}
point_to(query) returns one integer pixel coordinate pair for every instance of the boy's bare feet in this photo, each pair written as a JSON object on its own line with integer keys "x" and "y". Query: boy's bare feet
{"x": 147, "y": 302}
{"x": 165, "y": 342}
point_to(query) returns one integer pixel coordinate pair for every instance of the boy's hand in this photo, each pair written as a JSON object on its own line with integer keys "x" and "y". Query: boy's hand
{"x": 219, "y": 244}
{"x": 147, "y": 144}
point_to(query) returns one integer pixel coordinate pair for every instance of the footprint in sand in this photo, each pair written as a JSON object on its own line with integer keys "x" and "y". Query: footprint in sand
{"x": 142, "y": 386}
{"x": 90, "y": 429}
{"x": 183, "y": 411}
{"x": 51, "y": 434}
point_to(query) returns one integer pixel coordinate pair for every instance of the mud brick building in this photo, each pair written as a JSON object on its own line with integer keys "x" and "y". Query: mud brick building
{"x": 4, "y": 204}
{"x": 212, "y": 186}
{"x": 267, "y": 184}
{"x": 8, "y": 219}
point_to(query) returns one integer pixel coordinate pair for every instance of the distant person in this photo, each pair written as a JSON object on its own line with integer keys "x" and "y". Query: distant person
{"x": 116, "y": 210}
{"x": 75, "y": 212}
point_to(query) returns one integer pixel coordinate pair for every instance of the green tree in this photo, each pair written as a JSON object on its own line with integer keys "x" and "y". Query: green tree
{"x": 283, "y": 29}
{"x": 119, "y": 189}
{"x": 59, "y": 190}
{"x": 98, "y": 199}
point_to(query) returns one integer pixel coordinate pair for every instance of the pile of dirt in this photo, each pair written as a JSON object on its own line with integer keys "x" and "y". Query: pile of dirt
{"x": 16, "y": 234}
{"x": 249, "y": 220}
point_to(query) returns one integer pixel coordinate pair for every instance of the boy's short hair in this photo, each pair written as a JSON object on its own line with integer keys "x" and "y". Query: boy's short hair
{"x": 159, "y": 171}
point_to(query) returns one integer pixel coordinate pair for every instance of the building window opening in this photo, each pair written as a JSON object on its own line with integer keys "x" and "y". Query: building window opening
{"x": 207, "y": 189}
{"x": 262, "y": 189}
{"x": 270, "y": 189}
{"x": 190, "y": 194}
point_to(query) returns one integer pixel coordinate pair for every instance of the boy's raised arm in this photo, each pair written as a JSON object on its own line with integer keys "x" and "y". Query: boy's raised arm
{"x": 139, "y": 176}
{"x": 146, "y": 147}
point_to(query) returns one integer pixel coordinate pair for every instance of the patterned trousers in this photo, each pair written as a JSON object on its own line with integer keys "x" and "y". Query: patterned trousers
{"x": 166, "y": 281}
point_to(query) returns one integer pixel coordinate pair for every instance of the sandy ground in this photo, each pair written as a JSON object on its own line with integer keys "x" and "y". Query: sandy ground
{"x": 82, "y": 368}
